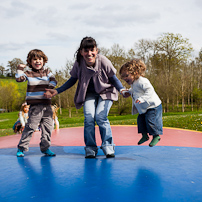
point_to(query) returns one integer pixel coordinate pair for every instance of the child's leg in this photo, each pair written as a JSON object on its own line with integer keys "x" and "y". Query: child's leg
{"x": 155, "y": 140}
{"x": 32, "y": 122}
{"x": 25, "y": 138}
{"x": 154, "y": 124}
{"x": 144, "y": 138}
{"x": 46, "y": 129}
{"x": 142, "y": 128}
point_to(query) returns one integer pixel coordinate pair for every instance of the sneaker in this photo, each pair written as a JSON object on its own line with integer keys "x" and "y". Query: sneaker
{"x": 144, "y": 138}
{"x": 90, "y": 157}
{"x": 90, "y": 153}
{"x": 48, "y": 152}
{"x": 20, "y": 153}
{"x": 155, "y": 140}
{"x": 110, "y": 155}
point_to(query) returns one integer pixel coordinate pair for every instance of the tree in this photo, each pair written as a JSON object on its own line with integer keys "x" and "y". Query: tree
{"x": 13, "y": 65}
{"x": 9, "y": 95}
{"x": 117, "y": 56}
{"x": 198, "y": 97}
{"x": 143, "y": 48}
{"x": 173, "y": 51}
{"x": 104, "y": 51}
{"x": 2, "y": 69}
{"x": 65, "y": 99}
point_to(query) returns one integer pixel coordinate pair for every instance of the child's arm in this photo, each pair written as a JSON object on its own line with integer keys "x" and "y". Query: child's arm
{"x": 53, "y": 82}
{"x": 20, "y": 75}
{"x": 50, "y": 93}
{"x": 57, "y": 125}
{"x": 21, "y": 119}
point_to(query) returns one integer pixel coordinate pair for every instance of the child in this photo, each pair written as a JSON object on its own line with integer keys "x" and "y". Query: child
{"x": 22, "y": 120}
{"x": 40, "y": 111}
{"x": 55, "y": 118}
{"x": 145, "y": 101}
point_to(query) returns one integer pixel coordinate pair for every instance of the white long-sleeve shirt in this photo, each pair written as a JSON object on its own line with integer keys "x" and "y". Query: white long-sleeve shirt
{"x": 23, "y": 119}
{"x": 142, "y": 90}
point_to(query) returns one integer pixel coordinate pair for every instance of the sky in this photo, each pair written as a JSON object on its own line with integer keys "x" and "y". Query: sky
{"x": 57, "y": 27}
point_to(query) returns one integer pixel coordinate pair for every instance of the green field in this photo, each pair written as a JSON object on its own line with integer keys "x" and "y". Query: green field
{"x": 186, "y": 120}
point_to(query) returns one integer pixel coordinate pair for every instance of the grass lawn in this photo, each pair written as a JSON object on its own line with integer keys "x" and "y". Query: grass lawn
{"x": 186, "y": 120}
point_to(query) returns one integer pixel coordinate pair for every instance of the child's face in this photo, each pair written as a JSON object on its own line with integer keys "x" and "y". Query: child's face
{"x": 37, "y": 63}
{"x": 26, "y": 108}
{"x": 89, "y": 55}
{"x": 127, "y": 77}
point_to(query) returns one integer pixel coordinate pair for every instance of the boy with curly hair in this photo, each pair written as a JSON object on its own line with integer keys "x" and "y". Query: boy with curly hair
{"x": 40, "y": 111}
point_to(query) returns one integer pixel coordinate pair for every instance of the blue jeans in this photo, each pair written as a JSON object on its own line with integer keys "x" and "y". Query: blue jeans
{"x": 151, "y": 121}
{"x": 96, "y": 110}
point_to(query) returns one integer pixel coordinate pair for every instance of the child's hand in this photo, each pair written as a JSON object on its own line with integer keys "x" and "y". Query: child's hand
{"x": 21, "y": 66}
{"x": 125, "y": 93}
{"x": 137, "y": 101}
{"x": 50, "y": 93}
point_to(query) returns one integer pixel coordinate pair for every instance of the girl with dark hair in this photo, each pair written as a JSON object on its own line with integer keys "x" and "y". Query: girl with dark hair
{"x": 96, "y": 91}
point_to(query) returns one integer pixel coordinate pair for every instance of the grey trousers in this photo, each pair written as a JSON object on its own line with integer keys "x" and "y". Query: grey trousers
{"x": 38, "y": 114}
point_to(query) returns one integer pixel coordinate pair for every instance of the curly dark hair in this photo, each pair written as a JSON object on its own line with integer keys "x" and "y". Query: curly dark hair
{"x": 135, "y": 67}
{"x": 86, "y": 42}
{"x": 36, "y": 53}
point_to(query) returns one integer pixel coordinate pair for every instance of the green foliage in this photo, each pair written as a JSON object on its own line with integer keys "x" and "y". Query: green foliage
{"x": 174, "y": 46}
{"x": 12, "y": 93}
{"x": 13, "y": 65}
{"x": 197, "y": 97}
{"x": 9, "y": 95}
{"x": 186, "y": 120}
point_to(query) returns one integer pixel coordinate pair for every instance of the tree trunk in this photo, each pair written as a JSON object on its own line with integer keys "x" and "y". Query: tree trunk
{"x": 70, "y": 112}
{"x": 59, "y": 100}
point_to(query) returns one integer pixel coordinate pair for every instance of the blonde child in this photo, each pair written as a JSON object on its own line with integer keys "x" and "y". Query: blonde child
{"x": 55, "y": 118}
{"x": 22, "y": 120}
{"x": 40, "y": 111}
{"x": 145, "y": 101}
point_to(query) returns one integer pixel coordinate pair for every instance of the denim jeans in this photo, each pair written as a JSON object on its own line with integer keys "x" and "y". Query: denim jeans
{"x": 96, "y": 110}
{"x": 151, "y": 121}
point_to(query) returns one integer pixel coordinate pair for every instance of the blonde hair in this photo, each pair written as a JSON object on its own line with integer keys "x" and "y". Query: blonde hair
{"x": 55, "y": 110}
{"x": 135, "y": 67}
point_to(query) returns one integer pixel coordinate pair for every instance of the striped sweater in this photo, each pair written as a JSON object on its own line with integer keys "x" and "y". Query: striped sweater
{"x": 38, "y": 80}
